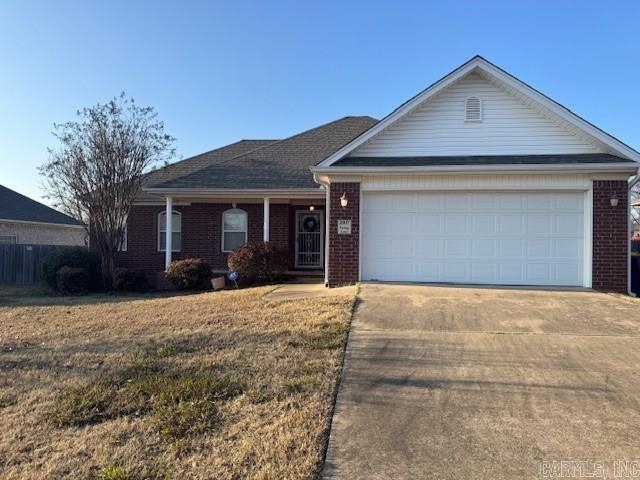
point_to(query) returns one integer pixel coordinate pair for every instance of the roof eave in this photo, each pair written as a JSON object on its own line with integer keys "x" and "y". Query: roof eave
{"x": 238, "y": 193}
{"x": 458, "y": 169}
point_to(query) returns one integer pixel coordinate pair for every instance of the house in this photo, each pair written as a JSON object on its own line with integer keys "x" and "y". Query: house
{"x": 25, "y": 221}
{"x": 479, "y": 179}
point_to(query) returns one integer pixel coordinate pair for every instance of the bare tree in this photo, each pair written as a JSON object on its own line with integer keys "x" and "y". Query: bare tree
{"x": 96, "y": 170}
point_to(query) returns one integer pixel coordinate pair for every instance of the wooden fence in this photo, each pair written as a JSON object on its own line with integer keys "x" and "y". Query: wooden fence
{"x": 22, "y": 264}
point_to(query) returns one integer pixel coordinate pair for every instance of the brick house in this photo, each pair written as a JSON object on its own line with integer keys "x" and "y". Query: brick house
{"x": 27, "y": 222}
{"x": 479, "y": 179}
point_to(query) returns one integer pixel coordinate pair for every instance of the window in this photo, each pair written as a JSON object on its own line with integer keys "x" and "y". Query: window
{"x": 473, "y": 110}
{"x": 8, "y": 239}
{"x": 234, "y": 229}
{"x": 122, "y": 246}
{"x": 176, "y": 231}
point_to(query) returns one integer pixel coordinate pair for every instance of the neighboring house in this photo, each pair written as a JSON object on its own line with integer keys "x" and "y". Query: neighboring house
{"x": 25, "y": 221}
{"x": 478, "y": 179}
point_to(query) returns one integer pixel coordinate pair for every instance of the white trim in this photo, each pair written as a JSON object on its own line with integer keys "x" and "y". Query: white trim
{"x": 297, "y": 245}
{"x": 246, "y": 227}
{"x": 564, "y": 167}
{"x": 587, "y": 269}
{"x": 8, "y": 220}
{"x": 483, "y": 65}
{"x": 238, "y": 193}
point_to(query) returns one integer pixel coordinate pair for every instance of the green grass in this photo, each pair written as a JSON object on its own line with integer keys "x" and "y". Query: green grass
{"x": 180, "y": 402}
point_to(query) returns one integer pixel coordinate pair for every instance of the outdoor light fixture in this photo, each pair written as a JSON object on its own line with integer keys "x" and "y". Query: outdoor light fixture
{"x": 311, "y": 208}
{"x": 343, "y": 200}
{"x": 614, "y": 201}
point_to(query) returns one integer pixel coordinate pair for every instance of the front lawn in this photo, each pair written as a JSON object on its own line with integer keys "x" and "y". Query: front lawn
{"x": 213, "y": 385}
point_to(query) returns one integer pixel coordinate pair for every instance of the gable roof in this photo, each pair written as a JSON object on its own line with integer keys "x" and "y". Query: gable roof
{"x": 276, "y": 164}
{"x": 17, "y": 207}
{"x": 479, "y": 64}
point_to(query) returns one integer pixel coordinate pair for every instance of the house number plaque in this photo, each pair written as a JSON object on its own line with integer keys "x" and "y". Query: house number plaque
{"x": 344, "y": 227}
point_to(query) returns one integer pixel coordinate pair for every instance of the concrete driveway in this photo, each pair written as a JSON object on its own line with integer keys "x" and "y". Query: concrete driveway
{"x": 479, "y": 383}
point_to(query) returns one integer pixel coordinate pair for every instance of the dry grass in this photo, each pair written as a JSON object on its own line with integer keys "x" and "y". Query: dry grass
{"x": 220, "y": 385}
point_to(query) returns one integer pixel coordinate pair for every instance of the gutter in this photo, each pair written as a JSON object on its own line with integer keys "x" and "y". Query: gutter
{"x": 473, "y": 169}
{"x": 244, "y": 193}
{"x": 327, "y": 225}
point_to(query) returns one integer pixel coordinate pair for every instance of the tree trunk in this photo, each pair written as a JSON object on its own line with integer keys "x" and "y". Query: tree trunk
{"x": 107, "y": 270}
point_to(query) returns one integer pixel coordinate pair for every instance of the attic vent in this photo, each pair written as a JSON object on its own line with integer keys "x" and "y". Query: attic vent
{"x": 473, "y": 110}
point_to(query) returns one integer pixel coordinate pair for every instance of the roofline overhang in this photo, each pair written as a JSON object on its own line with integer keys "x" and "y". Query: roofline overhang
{"x": 48, "y": 224}
{"x": 238, "y": 193}
{"x": 462, "y": 169}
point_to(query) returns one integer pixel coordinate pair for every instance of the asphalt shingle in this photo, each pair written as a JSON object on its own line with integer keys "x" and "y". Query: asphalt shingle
{"x": 15, "y": 206}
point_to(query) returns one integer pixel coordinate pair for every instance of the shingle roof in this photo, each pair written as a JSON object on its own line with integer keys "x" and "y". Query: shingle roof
{"x": 478, "y": 160}
{"x": 14, "y": 206}
{"x": 281, "y": 164}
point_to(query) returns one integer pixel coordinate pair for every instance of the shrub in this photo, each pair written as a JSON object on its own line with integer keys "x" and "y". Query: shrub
{"x": 74, "y": 257}
{"x": 130, "y": 280}
{"x": 189, "y": 274}
{"x": 258, "y": 262}
{"x": 72, "y": 280}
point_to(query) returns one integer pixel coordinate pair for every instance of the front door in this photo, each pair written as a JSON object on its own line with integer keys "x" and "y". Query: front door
{"x": 309, "y": 239}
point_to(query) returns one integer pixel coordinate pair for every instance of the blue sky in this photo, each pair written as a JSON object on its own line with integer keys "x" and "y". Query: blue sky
{"x": 220, "y": 71}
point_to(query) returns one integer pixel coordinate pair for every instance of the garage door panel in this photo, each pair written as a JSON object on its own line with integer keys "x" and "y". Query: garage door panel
{"x": 532, "y": 238}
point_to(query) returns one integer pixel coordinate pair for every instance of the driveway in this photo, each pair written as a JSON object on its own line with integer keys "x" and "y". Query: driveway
{"x": 482, "y": 383}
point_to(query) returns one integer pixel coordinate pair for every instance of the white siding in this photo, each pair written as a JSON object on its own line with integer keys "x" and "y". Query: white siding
{"x": 509, "y": 127}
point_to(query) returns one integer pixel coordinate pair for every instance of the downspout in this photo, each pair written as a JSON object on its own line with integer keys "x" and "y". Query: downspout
{"x": 327, "y": 225}
{"x": 632, "y": 183}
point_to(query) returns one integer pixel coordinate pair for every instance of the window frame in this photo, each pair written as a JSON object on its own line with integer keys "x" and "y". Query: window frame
{"x": 246, "y": 227}
{"x": 9, "y": 235}
{"x": 466, "y": 108}
{"x": 124, "y": 243}
{"x": 162, "y": 228}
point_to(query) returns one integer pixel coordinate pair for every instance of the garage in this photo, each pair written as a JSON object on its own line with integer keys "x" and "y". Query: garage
{"x": 494, "y": 237}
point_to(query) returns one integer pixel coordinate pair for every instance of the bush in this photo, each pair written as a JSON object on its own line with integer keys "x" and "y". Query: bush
{"x": 72, "y": 280}
{"x": 130, "y": 280}
{"x": 74, "y": 257}
{"x": 258, "y": 262}
{"x": 189, "y": 274}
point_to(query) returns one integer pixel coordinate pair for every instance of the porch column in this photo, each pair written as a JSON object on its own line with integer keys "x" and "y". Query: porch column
{"x": 265, "y": 227}
{"x": 168, "y": 230}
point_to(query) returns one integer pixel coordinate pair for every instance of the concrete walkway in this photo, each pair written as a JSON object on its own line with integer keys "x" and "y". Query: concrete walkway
{"x": 295, "y": 291}
{"x": 481, "y": 383}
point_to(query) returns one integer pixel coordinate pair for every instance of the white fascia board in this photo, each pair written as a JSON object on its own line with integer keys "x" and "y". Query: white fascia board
{"x": 48, "y": 224}
{"x": 248, "y": 193}
{"x": 507, "y": 78}
{"x": 461, "y": 169}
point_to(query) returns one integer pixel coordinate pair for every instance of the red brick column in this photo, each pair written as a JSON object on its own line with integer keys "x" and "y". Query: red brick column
{"x": 610, "y": 236}
{"x": 344, "y": 250}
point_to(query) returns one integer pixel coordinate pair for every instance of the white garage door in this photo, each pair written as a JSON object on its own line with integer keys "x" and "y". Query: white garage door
{"x": 509, "y": 238}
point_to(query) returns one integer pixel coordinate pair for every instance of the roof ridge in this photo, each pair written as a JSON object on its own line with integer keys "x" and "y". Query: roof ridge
{"x": 41, "y": 205}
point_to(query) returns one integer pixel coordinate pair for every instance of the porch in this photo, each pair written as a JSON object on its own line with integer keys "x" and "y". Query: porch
{"x": 210, "y": 227}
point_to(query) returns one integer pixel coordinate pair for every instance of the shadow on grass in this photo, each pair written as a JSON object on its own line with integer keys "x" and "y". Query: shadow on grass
{"x": 42, "y": 296}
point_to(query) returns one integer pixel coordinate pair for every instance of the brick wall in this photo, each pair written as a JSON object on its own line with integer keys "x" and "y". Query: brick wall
{"x": 610, "y": 236}
{"x": 41, "y": 234}
{"x": 201, "y": 234}
{"x": 344, "y": 250}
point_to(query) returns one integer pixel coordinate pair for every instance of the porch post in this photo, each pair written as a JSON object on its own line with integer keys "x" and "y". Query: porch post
{"x": 265, "y": 228}
{"x": 168, "y": 230}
